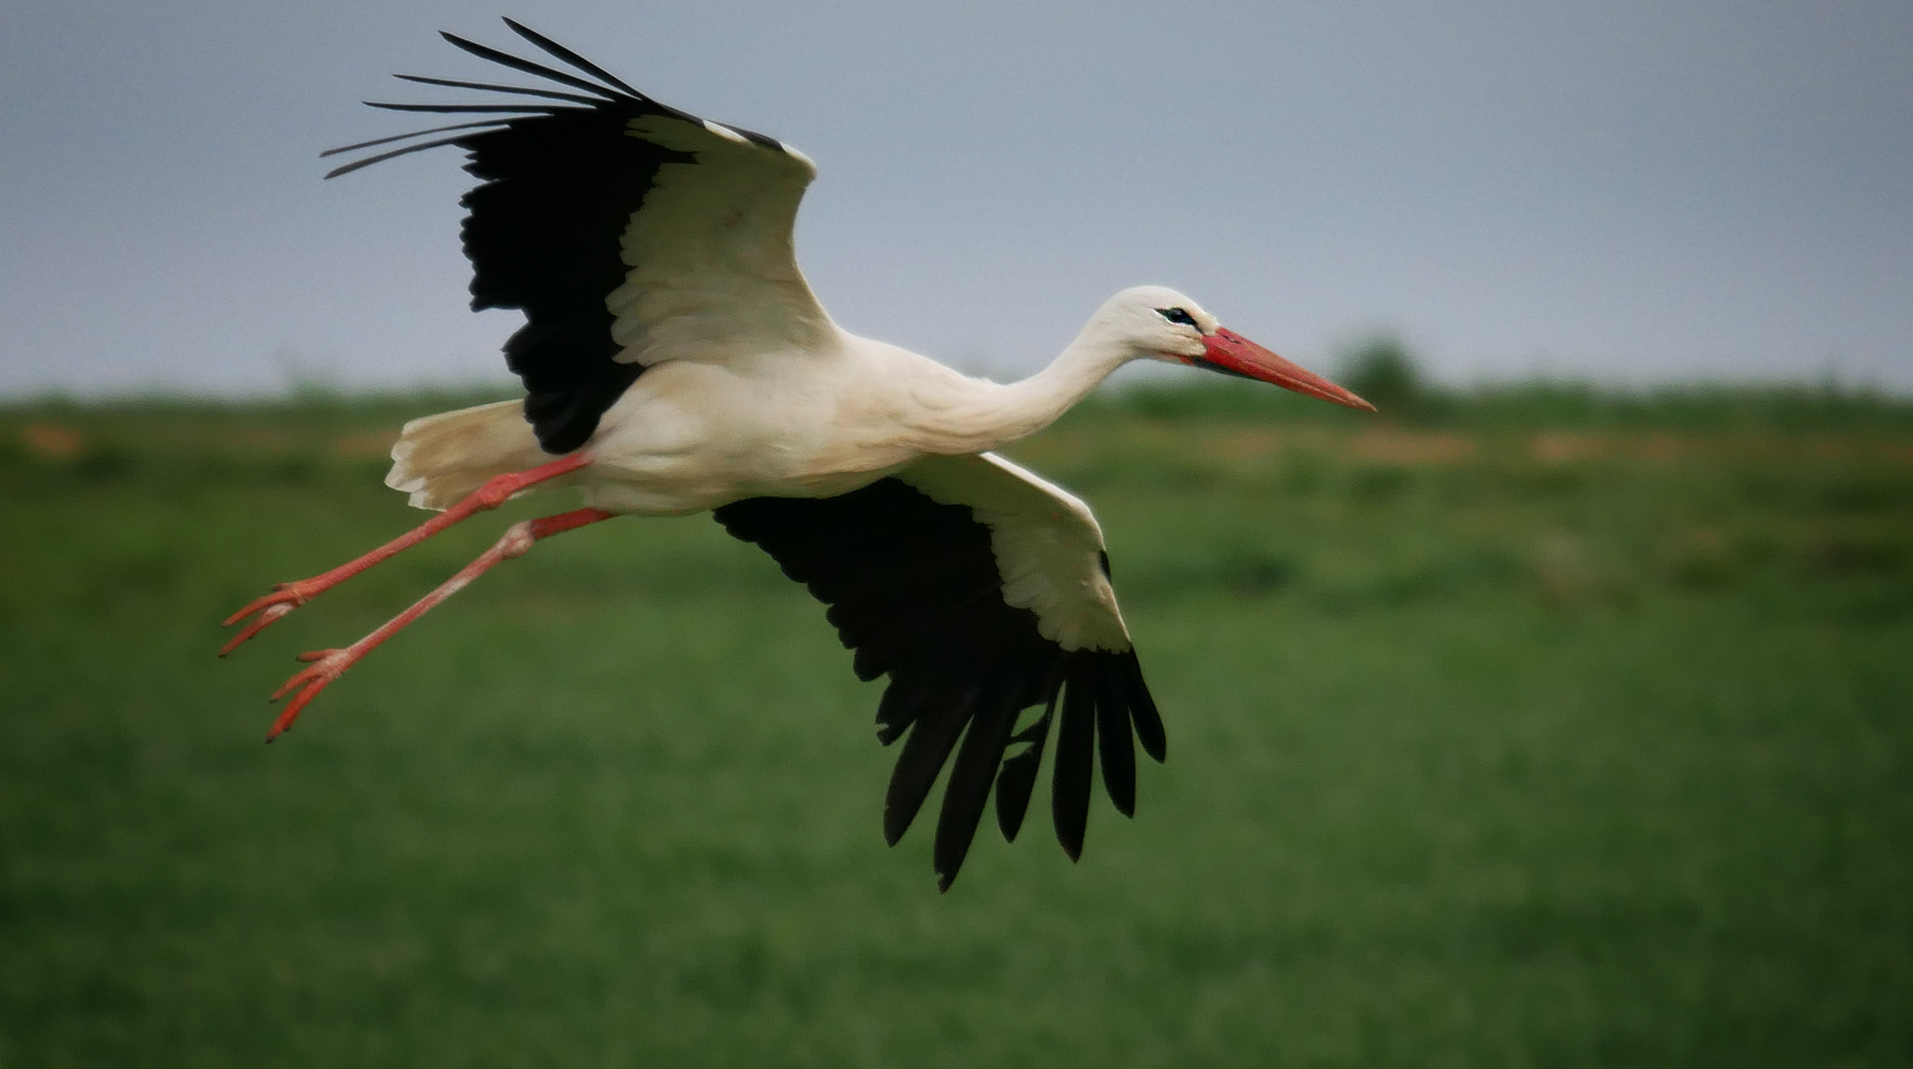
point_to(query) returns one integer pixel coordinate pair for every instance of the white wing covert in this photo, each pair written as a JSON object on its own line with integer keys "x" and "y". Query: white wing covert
{"x": 712, "y": 267}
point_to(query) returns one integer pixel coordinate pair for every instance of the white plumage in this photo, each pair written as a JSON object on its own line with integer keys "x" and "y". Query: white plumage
{"x": 676, "y": 361}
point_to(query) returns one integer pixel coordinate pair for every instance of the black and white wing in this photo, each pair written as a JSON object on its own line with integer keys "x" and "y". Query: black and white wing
{"x": 628, "y": 232}
{"x": 981, "y": 590}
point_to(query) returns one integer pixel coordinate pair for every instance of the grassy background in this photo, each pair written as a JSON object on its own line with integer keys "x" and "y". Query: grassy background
{"x": 1537, "y": 727}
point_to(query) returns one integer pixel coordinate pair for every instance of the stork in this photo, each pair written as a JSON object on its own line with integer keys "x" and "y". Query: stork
{"x": 675, "y": 361}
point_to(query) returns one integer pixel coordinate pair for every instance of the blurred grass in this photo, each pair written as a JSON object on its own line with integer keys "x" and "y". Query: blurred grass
{"x": 1529, "y": 727}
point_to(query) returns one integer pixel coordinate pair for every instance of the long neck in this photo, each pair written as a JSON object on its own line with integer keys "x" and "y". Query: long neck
{"x": 984, "y": 415}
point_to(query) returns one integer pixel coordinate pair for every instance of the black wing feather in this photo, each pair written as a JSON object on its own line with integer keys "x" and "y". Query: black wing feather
{"x": 506, "y": 59}
{"x": 493, "y": 87}
{"x": 913, "y": 587}
{"x": 559, "y": 184}
{"x": 901, "y": 702}
{"x": 1075, "y": 758}
{"x": 554, "y": 48}
{"x": 971, "y": 777}
{"x": 924, "y": 751}
{"x": 1142, "y": 710}
{"x": 1115, "y": 745}
{"x": 1017, "y": 781}
{"x": 383, "y": 156}
{"x": 462, "y": 109}
{"x": 357, "y": 145}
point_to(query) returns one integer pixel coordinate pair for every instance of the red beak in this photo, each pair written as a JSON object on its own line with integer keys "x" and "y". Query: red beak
{"x": 1233, "y": 353}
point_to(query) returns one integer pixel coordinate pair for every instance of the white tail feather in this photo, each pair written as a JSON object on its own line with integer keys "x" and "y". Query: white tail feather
{"x": 440, "y": 459}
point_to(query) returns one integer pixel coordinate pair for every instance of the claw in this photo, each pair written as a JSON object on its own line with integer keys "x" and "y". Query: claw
{"x": 282, "y": 593}
{"x": 266, "y": 618}
{"x": 284, "y": 598}
{"x": 325, "y": 666}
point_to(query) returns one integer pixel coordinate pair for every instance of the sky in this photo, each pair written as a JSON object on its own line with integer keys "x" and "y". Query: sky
{"x": 1617, "y": 192}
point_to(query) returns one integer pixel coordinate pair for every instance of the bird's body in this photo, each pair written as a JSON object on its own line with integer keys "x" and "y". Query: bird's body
{"x": 675, "y": 361}
{"x": 719, "y": 424}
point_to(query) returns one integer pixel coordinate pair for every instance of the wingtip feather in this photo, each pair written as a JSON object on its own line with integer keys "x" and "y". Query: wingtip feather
{"x": 554, "y": 48}
{"x": 972, "y": 775}
{"x": 1114, "y": 741}
{"x": 1075, "y": 759}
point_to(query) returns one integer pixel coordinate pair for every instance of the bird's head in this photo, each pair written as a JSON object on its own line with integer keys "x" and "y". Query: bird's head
{"x": 1157, "y": 323}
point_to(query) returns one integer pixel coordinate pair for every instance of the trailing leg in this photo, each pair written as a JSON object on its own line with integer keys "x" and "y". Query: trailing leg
{"x": 324, "y": 666}
{"x": 286, "y": 597}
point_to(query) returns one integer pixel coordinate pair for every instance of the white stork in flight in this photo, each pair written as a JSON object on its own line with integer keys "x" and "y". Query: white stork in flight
{"x": 675, "y": 360}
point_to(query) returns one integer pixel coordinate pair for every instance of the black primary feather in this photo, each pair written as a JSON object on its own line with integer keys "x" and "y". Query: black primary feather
{"x": 355, "y": 146}
{"x": 1017, "y": 780}
{"x": 1075, "y": 758}
{"x": 1142, "y": 710}
{"x": 925, "y": 750}
{"x": 554, "y": 48}
{"x": 1115, "y": 745}
{"x": 458, "y": 109}
{"x": 971, "y": 777}
{"x": 493, "y": 87}
{"x": 506, "y": 59}
{"x": 406, "y": 151}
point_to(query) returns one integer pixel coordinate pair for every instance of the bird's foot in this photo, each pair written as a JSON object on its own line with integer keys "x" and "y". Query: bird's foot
{"x": 269, "y": 608}
{"x": 322, "y": 667}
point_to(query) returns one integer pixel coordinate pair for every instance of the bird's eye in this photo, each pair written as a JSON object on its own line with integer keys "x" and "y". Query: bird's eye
{"x": 1178, "y": 315}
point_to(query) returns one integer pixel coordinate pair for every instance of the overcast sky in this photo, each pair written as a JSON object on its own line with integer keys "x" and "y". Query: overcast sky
{"x": 1615, "y": 191}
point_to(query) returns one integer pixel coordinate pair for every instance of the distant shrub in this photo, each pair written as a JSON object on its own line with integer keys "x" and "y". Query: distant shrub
{"x": 1382, "y": 373}
{"x": 104, "y": 462}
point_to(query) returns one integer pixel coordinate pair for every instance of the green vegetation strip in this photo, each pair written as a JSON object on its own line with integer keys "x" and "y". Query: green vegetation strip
{"x": 1499, "y": 735}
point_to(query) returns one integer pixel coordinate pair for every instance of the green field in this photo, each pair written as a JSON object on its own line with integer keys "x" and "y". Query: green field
{"x": 1537, "y": 728}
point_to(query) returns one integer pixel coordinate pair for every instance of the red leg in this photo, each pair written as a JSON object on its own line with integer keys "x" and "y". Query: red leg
{"x": 328, "y": 665}
{"x": 286, "y": 597}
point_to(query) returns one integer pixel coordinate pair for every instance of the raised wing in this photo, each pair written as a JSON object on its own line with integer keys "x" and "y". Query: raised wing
{"x": 981, "y": 590}
{"x": 627, "y": 231}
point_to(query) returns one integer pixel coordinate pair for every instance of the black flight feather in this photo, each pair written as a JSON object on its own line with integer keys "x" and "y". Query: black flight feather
{"x": 971, "y": 777}
{"x": 383, "y": 156}
{"x": 528, "y": 67}
{"x": 1017, "y": 780}
{"x": 1142, "y": 709}
{"x": 457, "y": 109}
{"x": 554, "y": 48}
{"x": 898, "y": 708}
{"x": 1075, "y": 757}
{"x": 415, "y": 133}
{"x": 924, "y": 751}
{"x": 548, "y": 94}
{"x": 1114, "y": 743}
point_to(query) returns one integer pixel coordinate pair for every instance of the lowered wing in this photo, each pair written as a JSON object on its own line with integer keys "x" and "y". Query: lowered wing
{"x": 981, "y": 590}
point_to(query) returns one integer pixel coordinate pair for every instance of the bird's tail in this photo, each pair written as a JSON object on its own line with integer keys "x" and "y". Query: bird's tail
{"x": 440, "y": 459}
